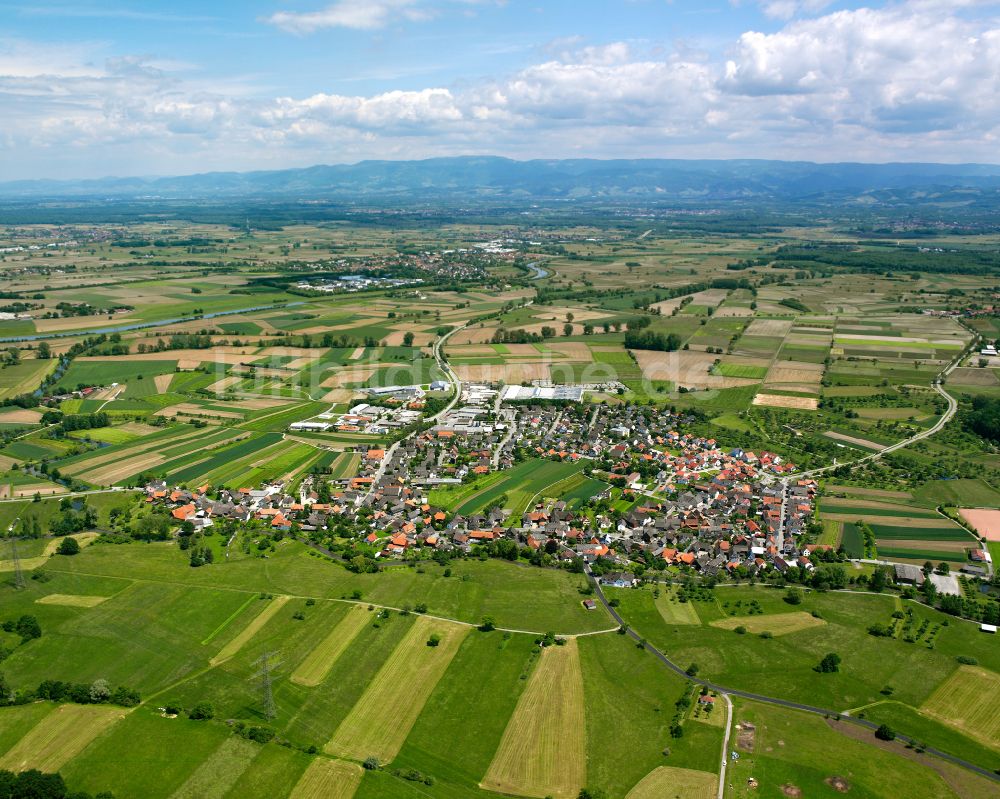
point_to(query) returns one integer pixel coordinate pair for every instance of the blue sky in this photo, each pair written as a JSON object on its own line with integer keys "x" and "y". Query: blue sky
{"x": 127, "y": 87}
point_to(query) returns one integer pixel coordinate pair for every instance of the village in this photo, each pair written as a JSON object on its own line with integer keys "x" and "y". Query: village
{"x": 668, "y": 498}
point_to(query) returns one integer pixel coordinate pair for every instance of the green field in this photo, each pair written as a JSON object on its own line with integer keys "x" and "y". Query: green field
{"x": 749, "y": 661}
{"x": 23, "y": 377}
{"x": 521, "y": 485}
{"x": 804, "y": 752}
{"x": 741, "y": 370}
{"x": 104, "y": 373}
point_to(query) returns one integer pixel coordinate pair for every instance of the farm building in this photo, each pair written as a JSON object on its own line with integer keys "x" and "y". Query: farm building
{"x": 312, "y": 427}
{"x": 907, "y": 573}
{"x": 620, "y": 580}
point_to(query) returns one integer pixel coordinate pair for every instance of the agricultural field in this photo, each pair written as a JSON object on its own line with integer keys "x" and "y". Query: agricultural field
{"x": 904, "y": 531}
{"x": 437, "y": 672}
{"x": 521, "y": 486}
{"x": 165, "y": 632}
{"x": 752, "y": 639}
{"x": 787, "y": 753}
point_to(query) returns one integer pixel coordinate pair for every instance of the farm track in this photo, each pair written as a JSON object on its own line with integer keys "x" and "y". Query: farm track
{"x": 946, "y": 417}
{"x": 771, "y": 700}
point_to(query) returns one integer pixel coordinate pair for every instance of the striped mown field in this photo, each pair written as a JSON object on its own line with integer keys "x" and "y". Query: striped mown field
{"x": 60, "y": 736}
{"x": 382, "y": 718}
{"x": 543, "y": 750}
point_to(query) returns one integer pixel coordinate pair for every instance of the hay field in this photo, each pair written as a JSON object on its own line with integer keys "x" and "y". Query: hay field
{"x": 795, "y": 372}
{"x": 20, "y": 416}
{"x": 732, "y": 312}
{"x": 60, "y": 324}
{"x": 248, "y": 632}
{"x": 184, "y": 408}
{"x": 775, "y": 623}
{"x": 777, "y": 328}
{"x": 72, "y": 600}
{"x": 29, "y": 564}
{"x": 230, "y": 355}
{"x": 861, "y": 442}
{"x": 113, "y": 472}
{"x": 686, "y": 368}
{"x": 60, "y": 736}
{"x": 969, "y": 701}
{"x": 965, "y": 376}
{"x": 382, "y": 718}
{"x": 675, "y": 783}
{"x": 473, "y": 335}
{"x": 317, "y": 664}
{"x": 985, "y": 521}
{"x": 219, "y": 771}
{"x": 508, "y": 372}
{"x": 45, "y": 489}
{"x": 543, "y": 751}
{"x": 779, "y": 401}
{"x": 328, "y": 779}
{"x": 349, "y": 374}
{"x": 676, "y": 612}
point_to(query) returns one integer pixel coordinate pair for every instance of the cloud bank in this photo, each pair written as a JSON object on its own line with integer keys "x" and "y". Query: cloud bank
{"x": 911, "y": 81}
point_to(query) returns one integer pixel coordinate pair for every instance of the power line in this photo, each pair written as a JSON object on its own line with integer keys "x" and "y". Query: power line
{"x": 18, "y": 574}
{"x": 265, "y": 674}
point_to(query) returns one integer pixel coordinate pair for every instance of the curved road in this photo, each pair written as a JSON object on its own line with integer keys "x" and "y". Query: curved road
{"x": 930, "y": 431}
{"x": 445, "y": 367}
{"x": 770, "y": 700}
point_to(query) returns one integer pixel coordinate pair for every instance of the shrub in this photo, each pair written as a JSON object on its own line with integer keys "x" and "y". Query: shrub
{"x": 967, "y": 661}
{"x": 829, "y": 664}
{"x": 885, "y": 733}
{"x": 69, "y": 546}
{"x": 27, "y": 627}
{"x": 371, "y": 763}
{"x": 202, "y": 711}
{"x": 434, "y": 640}
{"x": 741, "y": 630}
{"x": 260, "y": 735}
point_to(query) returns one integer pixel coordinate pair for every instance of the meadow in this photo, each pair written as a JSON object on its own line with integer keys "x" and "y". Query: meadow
{"x": 165, "y": 631}
{"x": 778, "y": 648}
{"x": 795, "y": 360}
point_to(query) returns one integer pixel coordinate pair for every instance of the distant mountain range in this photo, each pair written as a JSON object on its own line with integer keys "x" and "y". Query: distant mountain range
{"x": 550, "y": 180}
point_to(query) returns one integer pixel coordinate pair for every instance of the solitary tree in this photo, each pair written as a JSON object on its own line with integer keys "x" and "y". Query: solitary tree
{"x": 69, "y": 546}
{"x": 885, "y": 733}
{"x": 830, "y": 663}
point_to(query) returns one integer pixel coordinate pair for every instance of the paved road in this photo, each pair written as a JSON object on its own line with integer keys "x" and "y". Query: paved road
{"x": 445, "y": 367}
{"x": 770, "y": 700}
{"x": 113, "y": 490}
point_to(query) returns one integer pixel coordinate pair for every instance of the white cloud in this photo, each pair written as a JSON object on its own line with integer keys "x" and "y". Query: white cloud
{"x": 898, "y": 68}
{"x": 786, "y": 9}
{"x": 910, "y": 81}
{"x": 355, "y": 14}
